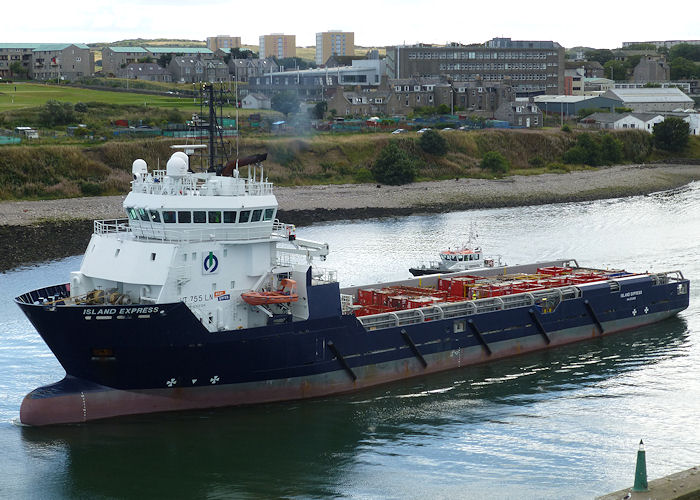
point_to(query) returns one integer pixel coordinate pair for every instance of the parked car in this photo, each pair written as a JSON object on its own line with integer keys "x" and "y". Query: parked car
{"x": 399, "y": 131}
{"x": 424, "y": 130}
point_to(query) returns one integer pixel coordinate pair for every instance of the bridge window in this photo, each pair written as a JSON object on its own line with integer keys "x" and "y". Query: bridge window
{"x": 132, "y": 214}
{"x": 199, "y": 216}
{"x": 169, "y": 216}
{"x": 244, "y": 217}
{"x": 256, "y": 215}
{"x": 184, "y": 217}
{"x": 155, "y": 216}
{"x": 143, "y": 215}
{"x": 215, "y": 217}
{"x": 269, "y": 214}
{"x": 229, "y": 217}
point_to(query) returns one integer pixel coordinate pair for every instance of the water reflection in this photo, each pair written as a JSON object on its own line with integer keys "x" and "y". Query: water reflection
{"x": 333, "y": 446}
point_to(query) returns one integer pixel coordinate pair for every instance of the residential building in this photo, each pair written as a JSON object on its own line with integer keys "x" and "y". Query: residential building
{"x": 334, "y": 42}
{"x": 278, "y": 45}
{"x": 651, "y": 69}
{"x": 574, "y": 81}
{"x": 116, "y": 58}
{"x": 520, "y": 113}
{"x": 411, "y": 93}
{"x": 245, "y": 69}
{"x": 64, "y": 61}
{"x": 151, "y": 72}
{"x": 256, "y": 101}
{"x": 481, "y": 98}
{"x": 651, "y": 99}
{"x": 358, "y": 102}
{"x": 187, "y": 69}
{"x": 534, "y": 67}
{"x": 11, "y": 53}
{"x": 223, "y": 42}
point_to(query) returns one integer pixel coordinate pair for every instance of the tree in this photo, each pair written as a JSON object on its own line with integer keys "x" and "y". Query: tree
{"x": 16, "y": 68}
{"x": 433, "y": 143}
{"x": 239, "y": 53}
{"x": 600, "y": 55}
{"x": 615, "y": 70}
{"x": 145, "y": 60}
{"x": 319, "y": 110}
{"x": 394, "y": 166}
{"x": 285, "y": 102}
{"x": 495, "y": 162}
{"x": 164, "y": 60}
{"x": 686, "y": 51}
{"x": 684, "y": 68}
{"x": 672, "y": 134}
{"x": 610, "y": 149}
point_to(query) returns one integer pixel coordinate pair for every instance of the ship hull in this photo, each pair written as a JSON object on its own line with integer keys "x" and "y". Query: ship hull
{"x": 163, "y": 359}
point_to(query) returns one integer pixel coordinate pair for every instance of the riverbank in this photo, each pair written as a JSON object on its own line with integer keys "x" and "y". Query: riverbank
{"x": 33, "y": 231}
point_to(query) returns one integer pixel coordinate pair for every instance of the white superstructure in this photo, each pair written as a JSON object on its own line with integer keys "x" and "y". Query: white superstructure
{"x": 198, "y": 238}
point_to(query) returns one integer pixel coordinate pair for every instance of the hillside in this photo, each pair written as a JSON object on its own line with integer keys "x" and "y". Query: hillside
{"x": 41, "y": 172}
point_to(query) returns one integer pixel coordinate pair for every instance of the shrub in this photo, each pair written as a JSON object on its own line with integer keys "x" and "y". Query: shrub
{"x": 536, "y": 161}
{"x": 80, "y": 107}
{"x": 611, "y": 149}
{"x": 394, "y": 166}
{"x": 433, "y": 143}
{"x": 57, "y": 113}
{"x": 495, "y": 162}
{"x": 363, "y": 175}
{"x": 565, "y": 128}
{"x": 672, "y": 134}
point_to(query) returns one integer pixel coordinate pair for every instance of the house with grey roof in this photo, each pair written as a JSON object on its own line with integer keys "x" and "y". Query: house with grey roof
{"x": 245, "y": 69}
{"x": 520, "y": 113}
{"x": 151, "y": 72}
{"x": 651, "y": 99}
{"x": 63, "y": 61}
{"x": 256, "y": 101}
{"x": 622, "y": 121}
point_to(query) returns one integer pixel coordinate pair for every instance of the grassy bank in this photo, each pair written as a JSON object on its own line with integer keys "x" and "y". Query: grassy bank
{"x": 46, "y": 172}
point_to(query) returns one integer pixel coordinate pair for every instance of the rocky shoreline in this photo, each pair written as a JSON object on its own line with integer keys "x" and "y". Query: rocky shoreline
{"x": 35, "y": 231}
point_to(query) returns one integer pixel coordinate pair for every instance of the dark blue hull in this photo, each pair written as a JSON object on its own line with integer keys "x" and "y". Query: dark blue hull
{"x": 134, "y": 359}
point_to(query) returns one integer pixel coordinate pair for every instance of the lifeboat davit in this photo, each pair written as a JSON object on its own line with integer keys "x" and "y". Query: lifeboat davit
{"x": 285, "y": 294}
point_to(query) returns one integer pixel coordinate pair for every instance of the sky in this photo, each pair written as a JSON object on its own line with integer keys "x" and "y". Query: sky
{"x": 374, "y": 22}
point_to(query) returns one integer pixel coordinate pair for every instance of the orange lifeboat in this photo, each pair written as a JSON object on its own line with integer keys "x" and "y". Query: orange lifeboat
{"x": 286, "y": 293}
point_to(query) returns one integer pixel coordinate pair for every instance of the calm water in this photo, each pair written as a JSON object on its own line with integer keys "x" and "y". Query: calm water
{"x": 559, "y": 424}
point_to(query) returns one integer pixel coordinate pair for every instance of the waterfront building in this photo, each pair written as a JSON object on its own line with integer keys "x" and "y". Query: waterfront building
{"x": 651, "y": 99}
{"x": 534, "y": 67}
{"x": 116, "y": 58}
{"x": 334, "y": 43}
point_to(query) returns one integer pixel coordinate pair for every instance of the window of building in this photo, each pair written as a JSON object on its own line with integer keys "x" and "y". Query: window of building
{"x": 184, "y": 217}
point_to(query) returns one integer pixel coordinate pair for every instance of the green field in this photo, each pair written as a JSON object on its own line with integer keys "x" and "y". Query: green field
{"x": 31, "y": 95}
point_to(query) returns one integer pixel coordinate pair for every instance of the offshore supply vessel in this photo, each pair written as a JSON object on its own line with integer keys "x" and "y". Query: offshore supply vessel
{"x": 201, "y": 298}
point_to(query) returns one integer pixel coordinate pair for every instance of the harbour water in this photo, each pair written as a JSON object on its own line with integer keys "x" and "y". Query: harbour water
{"x": 559, "y": 424}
